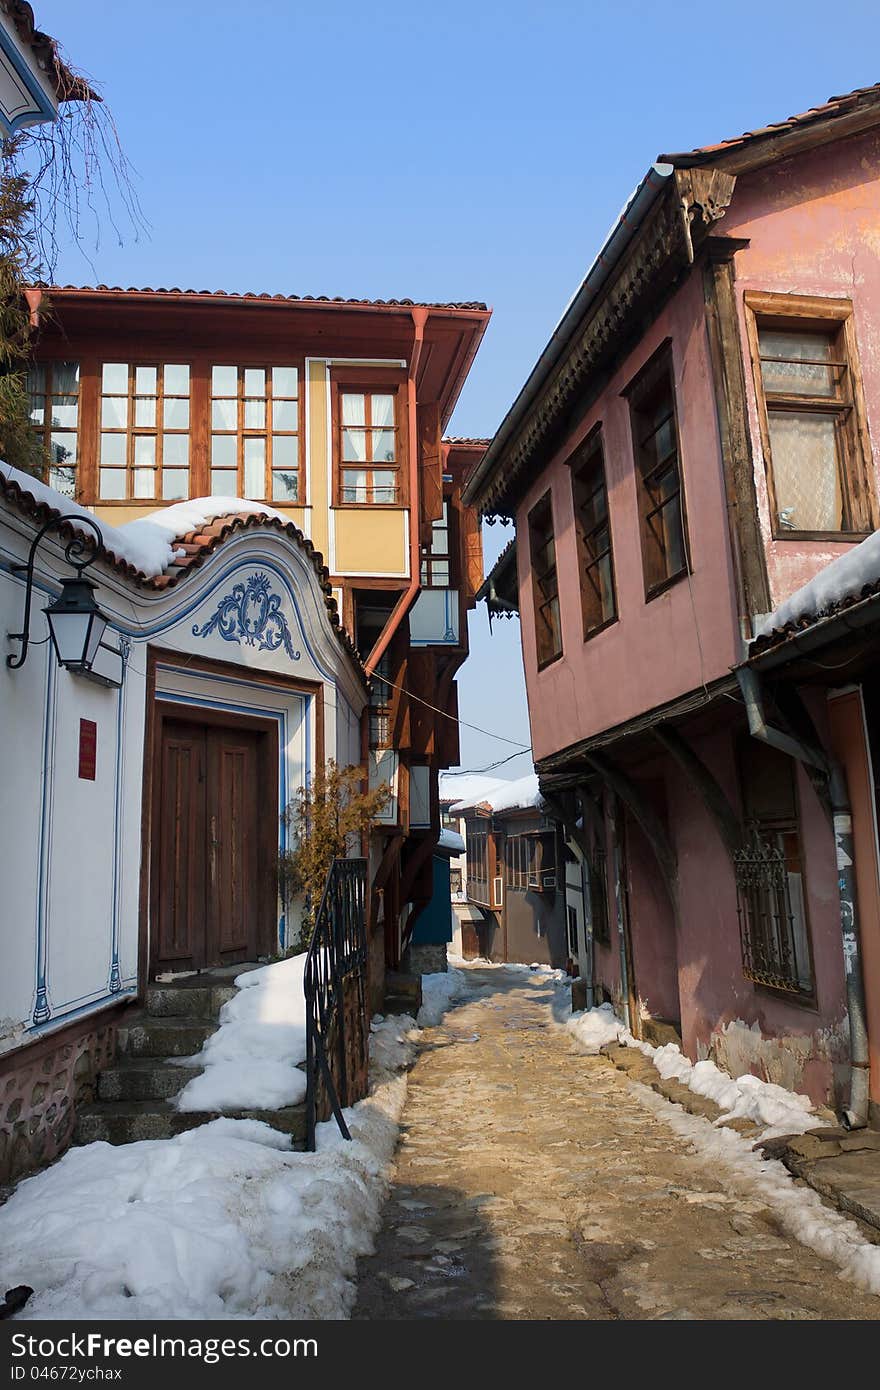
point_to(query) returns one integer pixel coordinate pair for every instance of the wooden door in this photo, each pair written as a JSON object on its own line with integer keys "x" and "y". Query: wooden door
{"x": 211, "y": 887}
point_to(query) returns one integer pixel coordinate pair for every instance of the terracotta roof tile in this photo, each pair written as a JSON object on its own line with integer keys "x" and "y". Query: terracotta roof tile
{"x": 68, "y": 85}
{"x": 834, "y": 106}
{"x": 250, "y": 295}
{"x": 808, "y": 620}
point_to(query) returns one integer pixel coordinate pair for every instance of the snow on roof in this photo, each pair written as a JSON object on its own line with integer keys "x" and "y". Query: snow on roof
{"x": 451, "y": 841}
{"x": 519, "y": 795}
{"x": 146, "y": 544}
{"x": 459, "y": 786}
{"x": 843, "y": 579}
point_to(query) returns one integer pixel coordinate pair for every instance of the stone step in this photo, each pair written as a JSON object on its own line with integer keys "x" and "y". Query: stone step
{"x": 126, "y": 1122}
{"x": 187, "y": 1001}
{"x": 143, "y": 1078}
{"x": 401, "y": 1004}
{"x": 144, "y": 1036}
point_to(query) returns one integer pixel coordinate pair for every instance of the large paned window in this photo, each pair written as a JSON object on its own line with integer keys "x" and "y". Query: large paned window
{"x": 808, "y": 389}
{"x": 519, "y": 861}
{"x": 590, "y": 496}
{"x": 255, "y": 433}
{"x": 478, "y": 867}
{"x": 54, "y": 412}
{"x": 770, "y": 874}
{"x": 545, "y": 585}
{"x": 368, "y": 446}
{"x": 658, "y": 474}
{"x": 436, "y": 570}
{"x": 144, "y": 432}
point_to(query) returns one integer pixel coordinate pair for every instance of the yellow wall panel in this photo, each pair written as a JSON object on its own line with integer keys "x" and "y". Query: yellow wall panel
{"x": 370, "y": 540}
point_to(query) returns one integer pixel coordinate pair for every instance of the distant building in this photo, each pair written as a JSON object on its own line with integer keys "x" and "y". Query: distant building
{"x": 515, "y": 882}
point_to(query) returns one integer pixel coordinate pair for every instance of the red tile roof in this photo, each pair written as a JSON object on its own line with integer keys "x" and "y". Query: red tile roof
{"x": 197, "y": 546}
{"x": 833, "y": 107}
{"x": 469, "y": 306}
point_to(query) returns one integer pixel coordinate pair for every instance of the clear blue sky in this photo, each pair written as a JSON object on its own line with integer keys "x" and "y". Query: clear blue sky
{"x": 459, "y": 151}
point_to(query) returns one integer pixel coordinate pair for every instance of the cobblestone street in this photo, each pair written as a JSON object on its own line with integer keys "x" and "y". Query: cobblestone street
{"x": 534, "y": 1182}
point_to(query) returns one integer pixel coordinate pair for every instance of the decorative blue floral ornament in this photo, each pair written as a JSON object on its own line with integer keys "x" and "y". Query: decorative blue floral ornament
{"x": 251, "y": 615}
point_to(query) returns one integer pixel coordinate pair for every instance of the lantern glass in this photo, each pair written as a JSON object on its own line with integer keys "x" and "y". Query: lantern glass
{"x": 76, "y": 624}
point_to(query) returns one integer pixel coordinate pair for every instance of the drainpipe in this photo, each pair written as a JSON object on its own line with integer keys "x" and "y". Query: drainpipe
{"x": 620, "y": 910}
{"x": 404, "y": 603}
{"x": 856, "y": 1117}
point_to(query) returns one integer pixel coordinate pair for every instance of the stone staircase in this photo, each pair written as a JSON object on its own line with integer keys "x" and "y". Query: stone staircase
{"x": 135, "y": 1093}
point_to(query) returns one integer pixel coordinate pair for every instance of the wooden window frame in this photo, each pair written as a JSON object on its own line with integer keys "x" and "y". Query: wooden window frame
{"x": 132, "y": 432}
{"x": 46, "y": 429}
{"x": 267, "y": 432}
{"x": 543, "y": 508}
{"x": 483, "y": 832}
{"x": 590, "y": 456}
{"x": 377, "y": 381}
{"x": 428, "y": 558}
{"x": 787, "y": 312}
{"x": 657, "y": 370}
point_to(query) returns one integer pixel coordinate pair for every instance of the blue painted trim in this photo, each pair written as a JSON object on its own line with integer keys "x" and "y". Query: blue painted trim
{"x": 46, "y": 110}
{"x": 42, "y": 1009}
{"x": 114, "y": 983}
{"x": 59, "y": 1020}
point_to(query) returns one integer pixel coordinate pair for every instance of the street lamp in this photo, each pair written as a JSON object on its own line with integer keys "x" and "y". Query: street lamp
{"x": 76, "y": 623}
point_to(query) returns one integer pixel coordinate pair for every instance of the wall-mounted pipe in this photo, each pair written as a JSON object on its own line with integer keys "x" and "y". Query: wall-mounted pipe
{"x": 856, "y": 1117}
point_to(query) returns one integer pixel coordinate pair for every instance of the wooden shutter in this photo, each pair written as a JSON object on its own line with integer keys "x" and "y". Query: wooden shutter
{"x": 472, "y": 553}
{"x": 430, "y": 469}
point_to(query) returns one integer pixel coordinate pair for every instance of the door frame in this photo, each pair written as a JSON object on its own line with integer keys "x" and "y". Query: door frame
{"x": 155, "y": 711}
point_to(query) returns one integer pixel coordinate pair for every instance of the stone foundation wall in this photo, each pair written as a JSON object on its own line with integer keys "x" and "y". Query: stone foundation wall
{"x": 40, "y": 1088}
{"x": 425, "y": 959}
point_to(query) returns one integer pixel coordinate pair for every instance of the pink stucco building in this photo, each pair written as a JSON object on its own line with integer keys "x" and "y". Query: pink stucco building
{"x": 700, "y": 438}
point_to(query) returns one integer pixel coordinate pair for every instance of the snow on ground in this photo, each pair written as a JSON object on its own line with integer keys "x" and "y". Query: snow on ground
{"x": 846, "y": 575}
{"x": 439, "y": 993}
{"x": 251, "y": 1062}
{"x": 224, "y": 1221}
{"x": 777, "y": 1110}
{"x": 147, "y": 542}
{"x": 800, "y": 1210}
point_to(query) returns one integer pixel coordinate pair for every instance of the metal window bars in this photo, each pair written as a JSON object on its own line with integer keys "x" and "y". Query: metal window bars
{"x": 335, "y": 993}
{"x": 766, "y": 917}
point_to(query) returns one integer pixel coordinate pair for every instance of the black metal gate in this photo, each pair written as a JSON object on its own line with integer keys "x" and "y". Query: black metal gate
{"x": 335, "y": 993}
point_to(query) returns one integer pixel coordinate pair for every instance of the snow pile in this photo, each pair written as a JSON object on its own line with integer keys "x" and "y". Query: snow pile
{"x": 222, "y": 1222}
{"x": 595, "y": 1028}
{"x": 746, "y": 1097}
{"x": 439, "y": 993}
{"x": 251, "y": 1062}
{"x": 775, "y": 1109}
{"x": 451, "y": 841}
{"x": 521, "y": 794}
{"x": 845, "y": 576}
{"x": 147, "y": 543}
{"x": 799, "y": 1210}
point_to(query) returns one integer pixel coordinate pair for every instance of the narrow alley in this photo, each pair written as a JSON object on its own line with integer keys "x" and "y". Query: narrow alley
{"x": 535, "y": 1182}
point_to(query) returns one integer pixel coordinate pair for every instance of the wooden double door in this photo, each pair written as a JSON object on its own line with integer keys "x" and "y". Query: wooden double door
{"x": 215, "y": 823}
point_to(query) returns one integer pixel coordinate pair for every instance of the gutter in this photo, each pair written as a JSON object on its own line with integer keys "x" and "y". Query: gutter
{"x": 856, "y": 1117}
{"x": 619, "y": 238}
{"x": 408, "y": 597}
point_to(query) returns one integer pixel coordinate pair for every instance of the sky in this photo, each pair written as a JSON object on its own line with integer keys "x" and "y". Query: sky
{"x": 442, "y": 152}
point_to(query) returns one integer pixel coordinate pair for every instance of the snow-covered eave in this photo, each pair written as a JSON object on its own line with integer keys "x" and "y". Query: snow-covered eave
{"x": 794, "y": 642}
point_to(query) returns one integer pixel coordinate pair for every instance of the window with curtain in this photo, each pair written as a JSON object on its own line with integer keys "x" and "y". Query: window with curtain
{"x": 255, "y": 433}
{"x": 53, "y": 388}
{"x": 144, "y": 450}
{"x": 368, "y": 447}
{"x": 658, "y": 475}
{"x": 814, "y": 458}
{"x": 545, "y": 585}
{"x": 593, "y": 527}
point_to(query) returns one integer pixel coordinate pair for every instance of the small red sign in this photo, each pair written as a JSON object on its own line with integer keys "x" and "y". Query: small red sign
{"x": 88, "y": 749}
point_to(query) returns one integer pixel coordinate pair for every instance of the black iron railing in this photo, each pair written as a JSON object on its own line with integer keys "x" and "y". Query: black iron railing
{"x": 335, "y": 993}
